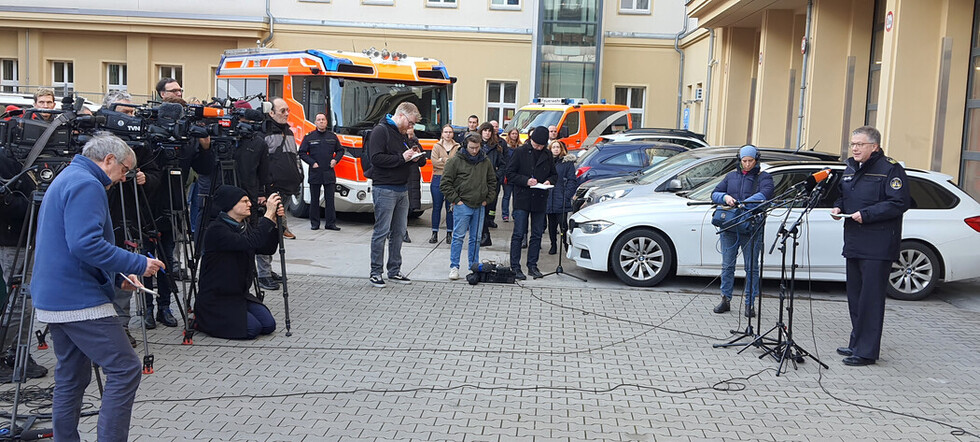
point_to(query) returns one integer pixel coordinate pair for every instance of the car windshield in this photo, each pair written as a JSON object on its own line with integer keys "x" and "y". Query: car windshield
{"x": 360, "y": 104}
{"x": 667, "y": 167}
{"x": 526, "y": 119}
{"x": 703, "y": 192}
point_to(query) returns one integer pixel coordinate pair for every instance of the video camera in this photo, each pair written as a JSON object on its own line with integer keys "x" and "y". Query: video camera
{"x": 31, "y": 135}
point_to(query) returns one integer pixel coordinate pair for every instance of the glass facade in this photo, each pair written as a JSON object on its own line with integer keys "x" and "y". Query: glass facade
{"x": 970, "y": 159}
{"x": 568, "y": 49}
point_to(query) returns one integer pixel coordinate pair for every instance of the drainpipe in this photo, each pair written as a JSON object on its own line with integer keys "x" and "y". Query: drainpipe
{"x": 680, "y": 75}
{"x": 806, "y": 59}
{"x": 272, "y": 26}
{"x": 707, "y": 83}
{"x": 27, "y": 63}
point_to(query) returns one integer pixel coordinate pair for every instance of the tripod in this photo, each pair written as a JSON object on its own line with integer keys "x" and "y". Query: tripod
{"x": 786, "y": 347}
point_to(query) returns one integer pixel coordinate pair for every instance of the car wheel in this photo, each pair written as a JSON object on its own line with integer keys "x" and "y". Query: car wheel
{"x": 641, "y": 258}
{"x": 915, "y": 274}
{"x": 298, "y": 207}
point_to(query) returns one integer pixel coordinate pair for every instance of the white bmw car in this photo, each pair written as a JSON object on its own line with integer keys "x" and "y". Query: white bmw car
{"x": 643, "y": 240}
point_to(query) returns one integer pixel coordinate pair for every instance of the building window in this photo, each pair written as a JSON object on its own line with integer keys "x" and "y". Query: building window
{"x": 634, "y": 6}
{"x": 632, "y": 97}
{"x": 63, "y": 76}
{"x": 505, "y": 4}
{"x": 378, "y": 2}
{"x": 501, "y": 101}
{"x": 116, "y": 77}
{"x": 175, "y": 72}
{"x": 441, "y": 3}
{"x": 8, "y": 76}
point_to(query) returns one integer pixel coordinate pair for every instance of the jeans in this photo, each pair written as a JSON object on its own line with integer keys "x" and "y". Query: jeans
{"x": 751, "y": 246}
{"x": 537, "y": 222}
{"x": 557, "y": 221}
{"x": 466, "y": 219}
{"x": 438, "y": 201}
{"x": 505, "y": 201}
{"x": 259, "y": 321}
{"x": 77, "y": 345}
{"x": 263, "y": 265}
{"x": 390, "y": 219}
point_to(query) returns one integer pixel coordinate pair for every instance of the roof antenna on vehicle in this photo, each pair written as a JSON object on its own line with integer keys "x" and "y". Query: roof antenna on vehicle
{"x": 798, "y": 149}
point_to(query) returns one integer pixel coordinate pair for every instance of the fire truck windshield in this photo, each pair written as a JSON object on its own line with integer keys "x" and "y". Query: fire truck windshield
{"x": 526, "y": 119}
{"x": 357, "y": 104}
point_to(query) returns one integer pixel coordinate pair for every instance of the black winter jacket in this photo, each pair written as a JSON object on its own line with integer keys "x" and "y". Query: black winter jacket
{"x": 879, "y": 190}
{"x": 385, "y": 146}
{"x": 527, "y": 164}
{"x": 320, "y": 148}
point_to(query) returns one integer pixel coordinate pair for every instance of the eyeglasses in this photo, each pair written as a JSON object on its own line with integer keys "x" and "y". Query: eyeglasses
{"x": 126, "y": 168}
{"x": 284, "y": 110}
{"x": 174, "y": 91}
{"x": 859, "y": 144}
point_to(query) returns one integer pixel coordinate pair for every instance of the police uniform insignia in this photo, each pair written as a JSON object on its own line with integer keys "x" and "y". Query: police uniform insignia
{"x": 896, "y": 183}
{"x": 892, "y": 160}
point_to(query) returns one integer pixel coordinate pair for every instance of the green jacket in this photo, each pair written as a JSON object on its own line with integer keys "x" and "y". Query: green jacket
{"x": 469, "y": 182}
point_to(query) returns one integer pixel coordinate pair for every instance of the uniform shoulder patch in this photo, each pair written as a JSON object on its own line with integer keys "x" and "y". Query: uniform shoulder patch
{"x": 891, "y": 160}
{"x": 896, "y": 183}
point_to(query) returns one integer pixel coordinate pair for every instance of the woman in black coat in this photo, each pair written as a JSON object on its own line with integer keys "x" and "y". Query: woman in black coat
{"x": 560, "y": 196}
{"x": 224, "y": 307}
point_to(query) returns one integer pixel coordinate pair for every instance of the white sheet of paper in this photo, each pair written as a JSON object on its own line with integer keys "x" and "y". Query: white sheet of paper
{"x": 542, "y": 186}
{"x": 417, "y": 154}
{"x": 841, "y": 216}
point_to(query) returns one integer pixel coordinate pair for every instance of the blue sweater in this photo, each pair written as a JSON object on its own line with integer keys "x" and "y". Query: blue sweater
{"x": 76, "y": 262}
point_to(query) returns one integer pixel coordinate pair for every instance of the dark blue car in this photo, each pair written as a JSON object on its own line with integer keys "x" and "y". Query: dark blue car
{"x": 622, "y": 158}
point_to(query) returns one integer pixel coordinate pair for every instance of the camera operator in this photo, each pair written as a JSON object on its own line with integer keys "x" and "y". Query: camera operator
{"x": 149, "y": 177}
{"x": 225, "y": 308}
{"x": 14, "y": 207}
{"x": 195, "y": 154}
{"x": 76, "y": 265}
{"x": 251, "y": 158}
{"x": 44, "y": 100}
{"x": 120, "y": 99}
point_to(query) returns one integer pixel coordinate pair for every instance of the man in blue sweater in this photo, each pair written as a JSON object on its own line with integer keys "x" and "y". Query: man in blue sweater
{"x": 75, "y": 267}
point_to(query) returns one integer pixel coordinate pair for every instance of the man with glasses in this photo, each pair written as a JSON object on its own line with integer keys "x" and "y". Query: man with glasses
{"x": 75, "y": 268}
{"x": 169, "y": 87}
{"x": 874, "y": 195}
{"x": 391, "y": 162}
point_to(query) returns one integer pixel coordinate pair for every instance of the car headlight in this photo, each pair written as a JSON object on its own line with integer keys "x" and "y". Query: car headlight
{"x": 613, "y": 195}
{"x": 594, "y": 226}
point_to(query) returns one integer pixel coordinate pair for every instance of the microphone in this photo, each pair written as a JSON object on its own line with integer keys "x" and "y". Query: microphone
{"x": 811, "y": 181}
{"x": 171, "y": 111}
{"x": 36, "y": 434}
{"x": 253, "y": 115}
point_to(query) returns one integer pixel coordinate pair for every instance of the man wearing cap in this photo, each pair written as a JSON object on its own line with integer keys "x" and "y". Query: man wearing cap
{"x": 224, "y": 307}
{"x": 874, "y": 195}
{"x": 321, "y": 149}
{"x": 530, "y": 166}
{"x": 742, "y": 185}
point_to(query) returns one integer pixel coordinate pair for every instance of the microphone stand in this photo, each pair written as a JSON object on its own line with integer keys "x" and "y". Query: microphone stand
{"x": 561, "y": 239}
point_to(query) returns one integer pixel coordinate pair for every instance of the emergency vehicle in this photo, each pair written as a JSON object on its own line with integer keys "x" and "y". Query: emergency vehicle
{"x": 580, "y": 123}
{"x": 355, "y": 90}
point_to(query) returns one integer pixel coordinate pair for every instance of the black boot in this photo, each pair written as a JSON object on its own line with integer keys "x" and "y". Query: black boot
{"x": 724, "y": 306}
{"x": 435, "y": 238}
{"x": 148, "y": 319}
{"x": 485, "y": 241}
{"x": 165, "y": 317}
{"x": 490, "y": 222}
{"x": 553, "y": 250}
{"x": 449, "y": 237}
{"x": 407, "y": 239}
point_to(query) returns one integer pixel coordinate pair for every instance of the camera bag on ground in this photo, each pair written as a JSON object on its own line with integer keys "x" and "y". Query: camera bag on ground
{"x": 491, "y": 272}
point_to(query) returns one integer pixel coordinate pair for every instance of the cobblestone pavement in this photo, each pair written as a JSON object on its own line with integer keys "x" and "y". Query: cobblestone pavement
{"x": 450, "y": 361}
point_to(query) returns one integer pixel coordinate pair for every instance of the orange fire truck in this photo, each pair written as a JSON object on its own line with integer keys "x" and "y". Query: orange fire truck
{"x": 355, "y": 90}
{"x": 579, "y": 122}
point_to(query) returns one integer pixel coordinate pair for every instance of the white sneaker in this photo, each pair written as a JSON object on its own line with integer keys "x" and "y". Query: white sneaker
{"x": 453, "y": 273}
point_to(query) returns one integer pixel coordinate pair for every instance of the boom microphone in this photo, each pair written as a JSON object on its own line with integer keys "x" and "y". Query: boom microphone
{"x": 171, "y": 111}
{"x": 36, "y": 434}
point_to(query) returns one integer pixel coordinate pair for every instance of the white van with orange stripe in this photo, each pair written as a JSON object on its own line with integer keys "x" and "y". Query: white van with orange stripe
{"x": 355, "y": 90}
{"x": 580, "y": 123}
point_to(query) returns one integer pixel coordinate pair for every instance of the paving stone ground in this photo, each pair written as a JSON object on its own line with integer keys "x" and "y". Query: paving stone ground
{"x": 449, "y": 361}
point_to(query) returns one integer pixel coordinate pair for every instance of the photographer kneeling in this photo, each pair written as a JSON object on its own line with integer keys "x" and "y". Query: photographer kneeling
{"x": 225, "y": 308}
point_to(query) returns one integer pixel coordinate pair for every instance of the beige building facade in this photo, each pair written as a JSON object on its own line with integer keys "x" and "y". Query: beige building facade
{"x": 906, "y": 67}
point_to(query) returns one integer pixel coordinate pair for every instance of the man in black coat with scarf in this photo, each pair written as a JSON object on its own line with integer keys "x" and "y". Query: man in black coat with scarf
{"x": 225, "y": 307}
{"x": 530, "y": 165}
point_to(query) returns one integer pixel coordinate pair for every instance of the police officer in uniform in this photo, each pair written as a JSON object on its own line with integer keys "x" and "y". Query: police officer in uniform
{"x": 322, "y": 151}
{"x": 874, "y": 195}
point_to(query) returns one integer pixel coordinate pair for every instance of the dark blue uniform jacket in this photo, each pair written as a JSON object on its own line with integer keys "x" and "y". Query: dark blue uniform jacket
{"x": 879, "y": 190}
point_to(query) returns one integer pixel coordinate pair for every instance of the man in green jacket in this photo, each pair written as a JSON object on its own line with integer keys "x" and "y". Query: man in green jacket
{"x": 469, "y": 182}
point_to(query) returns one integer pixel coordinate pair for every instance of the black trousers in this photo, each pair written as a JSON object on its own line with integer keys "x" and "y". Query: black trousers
{"x": 866, "y": 285}
{"x": 557, "y": 221}
{"x": 330, "y": 215}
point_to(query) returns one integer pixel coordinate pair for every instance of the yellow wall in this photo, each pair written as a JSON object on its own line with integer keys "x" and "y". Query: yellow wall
{"x": 653, "y": 65}
{"x": 696, "y": 61}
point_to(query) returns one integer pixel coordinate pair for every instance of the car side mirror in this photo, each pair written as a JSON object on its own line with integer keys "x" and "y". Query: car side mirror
{"x": 674, "y": 185}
